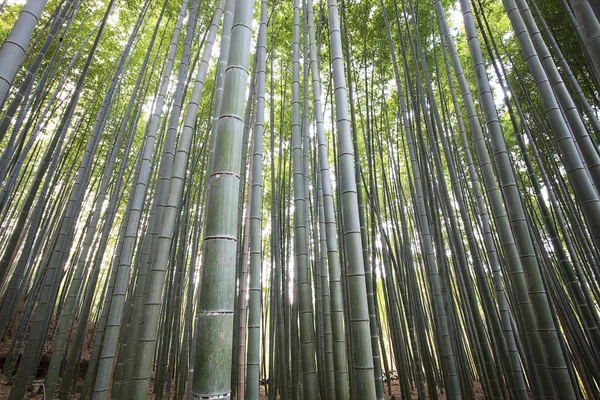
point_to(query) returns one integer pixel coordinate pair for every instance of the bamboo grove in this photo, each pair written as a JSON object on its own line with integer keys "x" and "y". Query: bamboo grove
{"x": 303, "y": 199}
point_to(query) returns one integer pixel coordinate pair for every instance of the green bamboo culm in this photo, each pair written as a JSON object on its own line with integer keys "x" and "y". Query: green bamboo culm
{"x": 340, "y": 363}
{"x": 357, "y": 292}
{"x": 254, "y": 296}
{"x": 301, "y": 253}
{"x": 13, "y": 48}
{"x": 215, "y": 322}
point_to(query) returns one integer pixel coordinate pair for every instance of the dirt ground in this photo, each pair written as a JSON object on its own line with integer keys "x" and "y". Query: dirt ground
{"x": 36, "y": 389}
{"x": 396, "y": 394}
{"x": 37, "y": 392}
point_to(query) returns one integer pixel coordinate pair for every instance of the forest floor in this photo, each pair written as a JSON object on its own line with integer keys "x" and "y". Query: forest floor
{"x": 396, "y": 394}
{"x": 36, "y": 389}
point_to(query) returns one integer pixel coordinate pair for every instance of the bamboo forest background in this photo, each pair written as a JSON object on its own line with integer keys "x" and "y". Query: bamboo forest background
{"x": 315, "y": 199}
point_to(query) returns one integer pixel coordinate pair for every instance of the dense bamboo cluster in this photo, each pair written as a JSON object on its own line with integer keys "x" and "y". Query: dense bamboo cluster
{"x": 312, "y": 199}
